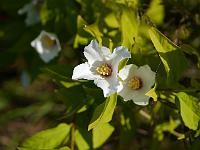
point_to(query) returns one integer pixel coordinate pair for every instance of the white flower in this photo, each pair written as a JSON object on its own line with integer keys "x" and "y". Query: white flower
{"x": 32, "y": 15}
{"x": 47, "y": 45}
{"x": 102, "y": 66}
{"x": 136, "y": 82}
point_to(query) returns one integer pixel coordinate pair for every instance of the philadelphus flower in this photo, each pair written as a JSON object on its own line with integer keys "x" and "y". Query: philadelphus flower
{"x": 136, "y": 82}
{"x": 47, "y": 45}
{"x": 102, "y": 66}
{"x": 32, "y": 15}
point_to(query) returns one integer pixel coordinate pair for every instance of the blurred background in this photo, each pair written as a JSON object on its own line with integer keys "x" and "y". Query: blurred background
{"x": 31, "y": 98}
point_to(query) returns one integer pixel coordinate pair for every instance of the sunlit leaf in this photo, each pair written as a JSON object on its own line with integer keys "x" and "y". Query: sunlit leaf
{"x": 190, "y": 110}
{"x": 130, "y": 3}
{"x": 111, "y": 20}
{"x": 129, "y": 27}
{"x": 104, "y": 112}
{"x": 62, "y": 148}
{"x": 197, "y": 133}
{"x": 45, "y": 14}
{"x": 69, "y": 84}
{"x": 94, "y": 30}
{"x": 82, "y": 37}
{"x": 80, "y": 140}
{"x": 48, "y": 139}
{"x": 171, "y": 55}
{"x": 101, "y": 134}
{"x": 156, "y": 11}
{"x": 152, "y": 93}
{"x": 167, "y": 127}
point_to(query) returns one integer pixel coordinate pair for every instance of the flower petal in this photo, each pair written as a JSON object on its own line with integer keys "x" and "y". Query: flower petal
{"x": 46, "y": 53}
{"x": 125, "y": 72}
{"x": 141, "y": 101}
{"x": 47, "y": 56}
{"x": 138, "y": 96}
{"x": 124, "y": 92}
{"x": 109, "y": 85}
{"x": 119, "y": 54}
{"x": 37, "y": 45}
{"x": 82, "y": 71}
{"x": 93, "y": 52}
{"x": 106, "y": 51}
{"x": 147, "y": 76}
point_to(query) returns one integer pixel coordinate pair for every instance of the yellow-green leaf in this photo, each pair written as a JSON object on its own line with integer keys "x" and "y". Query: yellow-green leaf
{"x": 171, "y": 55}
{"x": 101, "y": 134}
{"x": 104, "y": 112}
{"x": 48, "y": 139}
{"x": 156, "y": 11}
{"x": 129, "y": 27}
{"x": 190, "y": 110}
{"x": 152, "y": 93}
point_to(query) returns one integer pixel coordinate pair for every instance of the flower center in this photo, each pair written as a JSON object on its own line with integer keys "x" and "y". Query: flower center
{"x": 104, "y": 70}
{"x": 135, "y": 83}
{"x": 48, "y": 42}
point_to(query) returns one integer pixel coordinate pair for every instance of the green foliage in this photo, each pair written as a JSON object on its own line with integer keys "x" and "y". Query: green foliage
{"x": 34, "y": 95}
{"x": 152, "y": 93}
{"x": 101, "y": 134}
{"x": 167, "y": 127}
{"x": 156, "y": 11}
{"x": 104, "y": 112}
{"x": 63, "y": 148}
{"x": 129, "y": 27}
{"x": 189, "y": 109}
{"x": 48, "y": 139}
{"x": 169, "y": 54}
{"x": 81, "y": 142}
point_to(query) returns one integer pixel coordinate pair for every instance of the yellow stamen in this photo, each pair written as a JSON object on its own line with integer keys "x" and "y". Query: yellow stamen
{"x": 135, "y": 83}
{"x": 48, "y": 42}
{"x": 104, "y": 70}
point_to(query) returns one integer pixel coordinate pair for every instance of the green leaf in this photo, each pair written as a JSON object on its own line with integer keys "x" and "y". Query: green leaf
{"x": 73, "y": 100}
{"x": 104, "y": 112}
{"x": 122, "y": 63}
{"x": 191, "y": 51}
{"x": 129, "y": 3}
{"x": 156, "y": 11}
{"x": 167, "y": 127}
{"x": 69, "y": 84}
{"x": 82, "y": 37}
{"x": 80, "y": 140}
{"x": 57, "y": 72}
{"x": 171, "y": 55}
{"x": 197, "y": 133}
{"x": 62, "y": 148}
{"x": 93, "y": 29}
{"x": 45, "y": 14}
{"x": 111, "y": 20}
{"x": 48, "y": 139}
{"x": 101, "y": 134}
{"x": 152, "y": 93}
{"x": 129, "y": 28}
{"x": 190, "y": 110}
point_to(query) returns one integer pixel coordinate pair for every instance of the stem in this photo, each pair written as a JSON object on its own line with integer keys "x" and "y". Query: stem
{"x": 144, "y": 114}
{"x": 178, "y": 135}
{"x": 72, "y": 136}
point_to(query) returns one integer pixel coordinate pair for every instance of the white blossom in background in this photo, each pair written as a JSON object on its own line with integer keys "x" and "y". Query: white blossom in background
{"x": 135, "y": 83}
{"x": 32, "y": 15}
{"x": 102, "y": 66}
{"x": 47, "y": 45}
